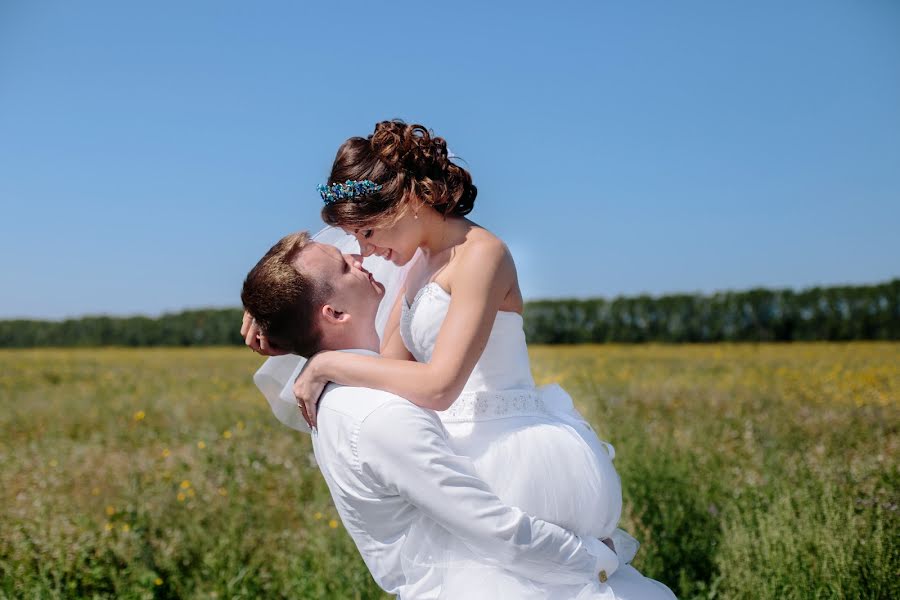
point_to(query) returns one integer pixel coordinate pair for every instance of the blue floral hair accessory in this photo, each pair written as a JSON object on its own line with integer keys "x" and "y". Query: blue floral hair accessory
{"x": 348, "y": 189}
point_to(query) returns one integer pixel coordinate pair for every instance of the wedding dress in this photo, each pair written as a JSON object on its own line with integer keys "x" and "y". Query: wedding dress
{"x": 535, "y": 451}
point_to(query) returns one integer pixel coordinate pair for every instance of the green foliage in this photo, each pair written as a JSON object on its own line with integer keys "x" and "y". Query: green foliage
{"x": 749, "y": 471}
{"x": 160, "y": 474}
{"x": 839, "y": 544}
{"x": 759, "y": 315}
{"x": 207, "y": 327}
{"x": 674, "y": 515}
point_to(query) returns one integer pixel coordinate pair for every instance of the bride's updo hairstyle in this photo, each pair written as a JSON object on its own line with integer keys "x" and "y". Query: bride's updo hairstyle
{"x": 408, "y": 162}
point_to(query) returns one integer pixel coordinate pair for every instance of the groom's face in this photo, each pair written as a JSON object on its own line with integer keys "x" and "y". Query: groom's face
{"x": 354, "y": 290}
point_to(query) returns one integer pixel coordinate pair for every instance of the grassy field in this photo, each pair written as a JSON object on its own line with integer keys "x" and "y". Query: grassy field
{"x": 750, "y": 471}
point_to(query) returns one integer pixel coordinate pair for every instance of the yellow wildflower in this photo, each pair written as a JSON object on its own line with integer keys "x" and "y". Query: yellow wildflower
{"x": 190, "y": 493}
{"x": 333, "y": 524}
{"x": 157, "y": 581}
{"x": 139, "y": 415}
{"x": 185, "y": 484}
{"x": 181, "y": 497}
{"x": 318, "y": 516}
{"x": 108, "y": 527}
{"x": 201, "y": 444}
{"x": 126, "y": 527}
{"x": 166, "y": 453}
{"x": 95, "y": 491}
{"x": 223, "y": 491}
{"x": 226, "y": 434}
{"x": 110, "y": 510}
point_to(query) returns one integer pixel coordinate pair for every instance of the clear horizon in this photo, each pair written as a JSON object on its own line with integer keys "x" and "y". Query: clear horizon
{"x": 237, "y": 306}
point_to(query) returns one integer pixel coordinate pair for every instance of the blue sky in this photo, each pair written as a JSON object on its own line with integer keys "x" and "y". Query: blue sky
{"x": 151, "y": 152}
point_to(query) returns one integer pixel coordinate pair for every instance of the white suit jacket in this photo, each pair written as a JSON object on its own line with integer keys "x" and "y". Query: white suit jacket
{"x": 388, "y": 465}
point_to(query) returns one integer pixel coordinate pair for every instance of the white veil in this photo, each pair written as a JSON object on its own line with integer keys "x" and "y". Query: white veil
{"x": 275, "y": 378}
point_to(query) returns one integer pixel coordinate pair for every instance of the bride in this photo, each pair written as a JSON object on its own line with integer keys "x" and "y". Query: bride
{"x": 453, "y": 341}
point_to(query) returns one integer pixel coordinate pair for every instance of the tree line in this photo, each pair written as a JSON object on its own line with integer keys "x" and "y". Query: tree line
{"x": 870, "y": 312}
{"x": 204, "y": 327}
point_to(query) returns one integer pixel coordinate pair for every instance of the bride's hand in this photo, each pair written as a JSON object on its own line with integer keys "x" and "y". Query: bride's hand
{"x": 257, "y": 341}
{"x": 307, "y": 388}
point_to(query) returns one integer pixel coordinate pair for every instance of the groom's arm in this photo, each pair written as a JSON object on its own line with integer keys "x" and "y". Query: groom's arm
{"x": 405, "y": 449}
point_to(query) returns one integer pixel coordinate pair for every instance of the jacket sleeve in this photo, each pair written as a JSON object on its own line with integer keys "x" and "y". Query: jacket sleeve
{"x": 405, "y": 449}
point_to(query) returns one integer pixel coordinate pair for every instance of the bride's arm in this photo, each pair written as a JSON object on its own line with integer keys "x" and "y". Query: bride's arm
{"x": 486, "y": 274}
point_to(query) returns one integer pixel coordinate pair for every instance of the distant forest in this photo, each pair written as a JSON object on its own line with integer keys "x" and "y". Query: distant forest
{"x": 870, "y": 312}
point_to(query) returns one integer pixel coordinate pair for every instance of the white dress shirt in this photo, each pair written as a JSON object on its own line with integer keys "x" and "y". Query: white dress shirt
{"x": 388, "y": 465}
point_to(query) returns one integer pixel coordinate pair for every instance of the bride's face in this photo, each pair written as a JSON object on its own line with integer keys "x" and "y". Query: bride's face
{"x": 396, "y": 243}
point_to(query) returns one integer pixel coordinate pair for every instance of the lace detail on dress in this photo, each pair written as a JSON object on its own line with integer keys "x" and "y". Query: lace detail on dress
{"x": 407, "y": 310}
{"x": 428, "y": 288}
{"x": 431, "y": 289}
{"x": 482, "y": 406}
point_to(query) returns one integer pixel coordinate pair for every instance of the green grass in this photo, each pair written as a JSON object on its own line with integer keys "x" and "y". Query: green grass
{"x": 749, "y": 471}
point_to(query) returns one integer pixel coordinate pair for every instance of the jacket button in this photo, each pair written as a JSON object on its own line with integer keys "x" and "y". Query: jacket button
{"x": 603, "y": 577}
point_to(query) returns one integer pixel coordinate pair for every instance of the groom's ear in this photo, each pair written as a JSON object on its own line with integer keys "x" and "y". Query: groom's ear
{"x": 333, "y": 315}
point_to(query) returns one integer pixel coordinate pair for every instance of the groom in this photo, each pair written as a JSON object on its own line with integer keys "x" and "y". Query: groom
{"x": 386, "y": 461}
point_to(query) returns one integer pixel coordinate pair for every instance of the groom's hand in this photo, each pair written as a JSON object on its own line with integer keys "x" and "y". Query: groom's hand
{"x": 256, "y": 340}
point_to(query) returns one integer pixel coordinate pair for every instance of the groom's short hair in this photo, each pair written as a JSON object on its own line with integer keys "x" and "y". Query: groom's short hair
{"x": 283, "y": 300}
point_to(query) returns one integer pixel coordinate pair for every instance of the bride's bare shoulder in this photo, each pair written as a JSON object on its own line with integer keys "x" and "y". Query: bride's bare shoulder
{"x": 485, "y": 244}
{"x": 480, "y": 251}
{"x": 485, "y": 252}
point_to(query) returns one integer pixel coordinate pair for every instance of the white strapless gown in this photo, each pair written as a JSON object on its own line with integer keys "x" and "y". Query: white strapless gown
{"x": 534, "y": 449}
